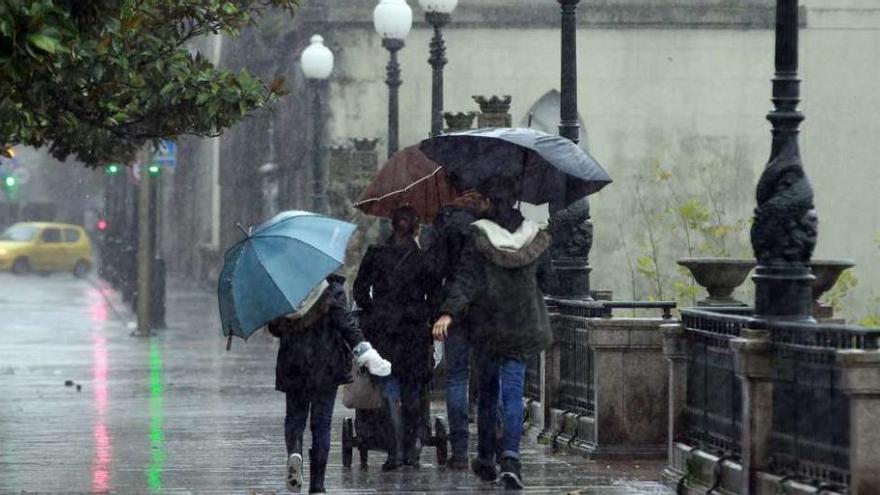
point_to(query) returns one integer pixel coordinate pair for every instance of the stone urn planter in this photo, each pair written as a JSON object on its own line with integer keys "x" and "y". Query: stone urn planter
{"x": 719, "y": 276}
{"x": 826, "y": 272}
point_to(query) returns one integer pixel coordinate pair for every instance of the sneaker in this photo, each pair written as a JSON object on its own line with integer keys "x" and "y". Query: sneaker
{"x": 486, "y": 472}
{"x": 510, "y": 474}
{"x": 294, "y": 473}
{"x": 457, "y": 462}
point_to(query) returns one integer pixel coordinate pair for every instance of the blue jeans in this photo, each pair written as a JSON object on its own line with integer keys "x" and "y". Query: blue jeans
{"x": 508, "y": 375}
{"x": 458, "y": 361}
{"x": 320, "y": 404}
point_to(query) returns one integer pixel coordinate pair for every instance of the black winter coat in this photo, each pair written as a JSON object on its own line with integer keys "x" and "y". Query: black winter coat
{"x": 448, "y": 237}
{"x": 501, "y": 295}
{"x": 315, "y": 352}
{"x": 392, "y": 288}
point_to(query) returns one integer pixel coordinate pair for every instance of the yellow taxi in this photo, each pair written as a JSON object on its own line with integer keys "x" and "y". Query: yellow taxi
{"x": 45, "y": 247}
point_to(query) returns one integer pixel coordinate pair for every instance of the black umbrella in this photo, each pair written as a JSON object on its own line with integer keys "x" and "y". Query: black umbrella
{"x": 548, "y": 168}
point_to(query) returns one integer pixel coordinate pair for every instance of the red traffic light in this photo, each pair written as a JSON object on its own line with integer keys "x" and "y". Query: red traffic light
{"x": 102, "y": 225}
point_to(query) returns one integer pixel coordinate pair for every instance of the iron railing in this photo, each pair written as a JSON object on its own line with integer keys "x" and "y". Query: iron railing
{"x": 810, "y": 436}
{"x": 714, "y": 397}
{"x": 575, "y": 356}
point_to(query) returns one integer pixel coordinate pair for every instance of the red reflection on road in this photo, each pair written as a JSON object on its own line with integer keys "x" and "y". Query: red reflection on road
{"x": 100, "y": 368}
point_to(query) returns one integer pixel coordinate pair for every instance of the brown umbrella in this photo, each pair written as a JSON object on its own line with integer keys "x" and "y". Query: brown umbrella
{"x": 408, "y": 179}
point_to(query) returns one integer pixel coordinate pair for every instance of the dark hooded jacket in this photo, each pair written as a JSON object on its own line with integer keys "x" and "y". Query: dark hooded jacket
{"x": 392, "y": 290}
{"x": 500, "y": 292}
{"x": 315, "y": 352}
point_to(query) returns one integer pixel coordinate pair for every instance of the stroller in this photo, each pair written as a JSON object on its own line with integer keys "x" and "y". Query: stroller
{"x": 365, "y": 432}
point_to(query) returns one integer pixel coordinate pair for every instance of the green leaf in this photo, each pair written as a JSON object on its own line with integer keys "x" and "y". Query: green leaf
{"x": 43, "y": 42}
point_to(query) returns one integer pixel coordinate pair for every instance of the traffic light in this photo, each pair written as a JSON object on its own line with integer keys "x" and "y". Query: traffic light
{"x": 112, "y": 169}
{"x": 9, "y": 182}
{"x": 154, "y": 170}
{"x": 102, "y": 225}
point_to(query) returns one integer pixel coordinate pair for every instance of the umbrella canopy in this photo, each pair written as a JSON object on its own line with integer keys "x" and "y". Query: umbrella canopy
{"x": 270, "y": 272}
{"x": 408, "y": 179}
{"x": 548, "y": 168}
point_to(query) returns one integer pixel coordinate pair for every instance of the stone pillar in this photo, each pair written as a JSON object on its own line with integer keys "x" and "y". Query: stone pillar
{"x": 459, "y": 121}
{"x": 364, "y": 159}
{"x": 860, "y": 381}
{"x": 494, "y": 111}
{"x": 753, "y": 355}
{"x": 630, "y": 383}
{"x": 550, "y": 385}
{"x": 675, "y": 350}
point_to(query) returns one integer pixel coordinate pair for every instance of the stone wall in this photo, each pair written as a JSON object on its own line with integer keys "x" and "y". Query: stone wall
{"x": 673, "y": 107}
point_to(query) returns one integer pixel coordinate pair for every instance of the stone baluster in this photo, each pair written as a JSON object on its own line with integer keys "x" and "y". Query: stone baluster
{"x": 860, "y": 381}
{"x": 675, "y": 350}
{"x": 753, "y": 355}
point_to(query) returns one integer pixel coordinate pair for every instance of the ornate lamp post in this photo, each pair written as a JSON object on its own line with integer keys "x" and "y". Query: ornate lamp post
{"x": 571, "y": 226}
{"x": 317, "y": 64}
{"x": 784, "y": 229}
{"x": 392, "y": 20}
{"x": 437, "y": 14}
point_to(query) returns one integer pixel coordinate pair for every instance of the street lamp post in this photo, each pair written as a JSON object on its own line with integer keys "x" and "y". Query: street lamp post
{"x": 437, "y": 14}
{"x": 317, "y": 64}
{"x": 784, "y": 229}
{"x": 392, "y": 20}
{"x": 571, "y": 225}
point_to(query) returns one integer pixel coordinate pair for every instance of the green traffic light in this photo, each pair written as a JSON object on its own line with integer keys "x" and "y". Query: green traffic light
{"x": 9, "y": 181}
{"x": 112, "y": 169}
{"x": 154, "y": 169}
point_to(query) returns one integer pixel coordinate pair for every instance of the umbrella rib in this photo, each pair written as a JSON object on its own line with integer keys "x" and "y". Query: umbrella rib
{"x": 304, "y": 243}
{"x": 260, "y": 259}
{"x": 398, "y": 191}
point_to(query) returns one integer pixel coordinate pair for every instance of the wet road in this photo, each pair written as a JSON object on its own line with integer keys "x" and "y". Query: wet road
{"x": 175, "y": 413}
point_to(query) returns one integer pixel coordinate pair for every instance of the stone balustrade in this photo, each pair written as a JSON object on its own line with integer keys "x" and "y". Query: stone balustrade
{"x": 759, "y": 407}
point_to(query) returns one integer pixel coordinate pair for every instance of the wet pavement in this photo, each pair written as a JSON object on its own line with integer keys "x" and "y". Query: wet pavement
{"x": 87, "y": 408}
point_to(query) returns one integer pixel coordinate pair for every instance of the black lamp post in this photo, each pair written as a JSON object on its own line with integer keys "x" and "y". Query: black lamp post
{"x": 784, "y": 229}
{"x": 437, "y": 14}
{"x": 571, "y": 226}
{"x": 392, "y": 20}
{"x": 317, "y": 64}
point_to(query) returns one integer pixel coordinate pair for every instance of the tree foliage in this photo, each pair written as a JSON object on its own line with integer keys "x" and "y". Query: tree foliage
{"x": 99, "y": 79}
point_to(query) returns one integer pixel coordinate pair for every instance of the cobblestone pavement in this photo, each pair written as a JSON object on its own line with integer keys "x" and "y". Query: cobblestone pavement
{"x": 86, "y": 407}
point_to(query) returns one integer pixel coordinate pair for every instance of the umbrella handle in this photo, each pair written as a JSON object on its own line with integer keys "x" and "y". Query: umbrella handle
{"x": 228, "y": 343}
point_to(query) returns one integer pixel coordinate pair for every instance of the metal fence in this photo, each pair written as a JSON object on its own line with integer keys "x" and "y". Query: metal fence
{"x": 810, "y": 435}
{"x": 714, "y": 397}
{"x": 810, "y": 413}
{"x": 575, "y": 356}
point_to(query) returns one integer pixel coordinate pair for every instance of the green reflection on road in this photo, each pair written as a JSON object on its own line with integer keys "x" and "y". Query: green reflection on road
{"x": 157, "y": 435}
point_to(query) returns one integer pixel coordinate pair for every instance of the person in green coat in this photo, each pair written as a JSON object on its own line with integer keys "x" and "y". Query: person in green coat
{"x": 499, "y": 287}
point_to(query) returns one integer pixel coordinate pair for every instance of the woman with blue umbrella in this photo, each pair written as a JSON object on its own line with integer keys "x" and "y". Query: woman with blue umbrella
{"x": 281, "y": 275}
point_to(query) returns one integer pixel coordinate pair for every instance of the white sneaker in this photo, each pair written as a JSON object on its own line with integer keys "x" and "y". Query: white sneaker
{"x": 294, "y": 472}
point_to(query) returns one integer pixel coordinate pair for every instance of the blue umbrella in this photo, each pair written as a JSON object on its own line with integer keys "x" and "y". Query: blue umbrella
{"x": 271, "y": 271}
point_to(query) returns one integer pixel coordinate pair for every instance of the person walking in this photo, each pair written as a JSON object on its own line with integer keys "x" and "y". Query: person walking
{"x": 498, "y": 286}
{"x": 318, "y": 343}
{"x": 392, "y": 289}
{"x": 448, "y": 237}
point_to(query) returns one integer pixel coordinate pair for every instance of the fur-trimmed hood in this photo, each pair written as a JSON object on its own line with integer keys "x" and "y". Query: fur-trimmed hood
{"x": 510, "y": 249}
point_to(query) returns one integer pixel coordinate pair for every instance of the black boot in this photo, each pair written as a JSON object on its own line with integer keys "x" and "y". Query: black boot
{"x": 412, "y": 437}
{"x": 395, "y": 435}
{"x": 317, "y": 469}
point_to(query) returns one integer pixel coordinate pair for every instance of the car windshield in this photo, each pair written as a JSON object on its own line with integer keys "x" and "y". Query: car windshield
{"x": 19, "y": 233}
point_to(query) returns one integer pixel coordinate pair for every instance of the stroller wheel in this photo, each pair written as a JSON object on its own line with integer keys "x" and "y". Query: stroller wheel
{"x": 364, "y": 455}
{"x": 441, "y": 438}
{"x": 347, "y": 441}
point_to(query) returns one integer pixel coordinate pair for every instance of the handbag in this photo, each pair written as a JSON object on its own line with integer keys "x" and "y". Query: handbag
{"x": 363, "y": 392}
